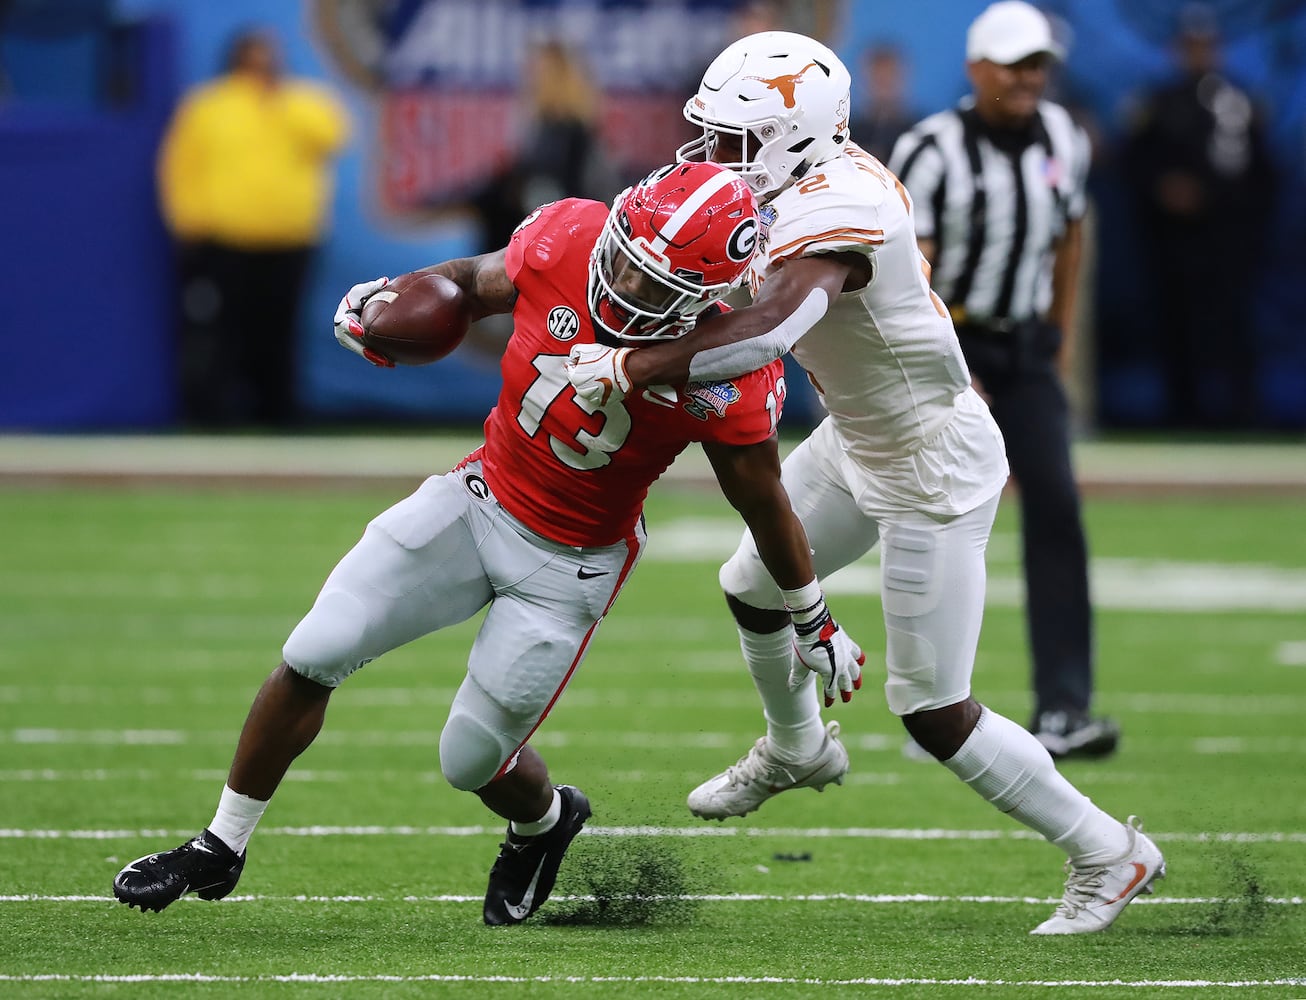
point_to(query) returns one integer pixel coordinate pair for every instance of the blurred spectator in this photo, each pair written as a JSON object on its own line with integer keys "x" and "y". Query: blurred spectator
{"x": 817, "y": 19}
{"x": 884, "y": 114}
{"x": 245, "y": 178}
{"x": 1196, "y": 156}
{"x": 560, "y": 154}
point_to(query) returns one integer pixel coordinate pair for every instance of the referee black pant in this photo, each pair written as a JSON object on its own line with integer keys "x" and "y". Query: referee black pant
{"x": 1017, "y": 369}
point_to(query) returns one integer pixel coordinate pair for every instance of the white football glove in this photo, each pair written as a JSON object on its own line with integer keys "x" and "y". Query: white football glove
{"x": 349, "y": 323}
{"x": 598, "y": 373}
{"x": 823, "y": 648}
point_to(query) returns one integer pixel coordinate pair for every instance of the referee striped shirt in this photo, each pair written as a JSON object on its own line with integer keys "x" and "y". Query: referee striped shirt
{"x": 995, "y": 205}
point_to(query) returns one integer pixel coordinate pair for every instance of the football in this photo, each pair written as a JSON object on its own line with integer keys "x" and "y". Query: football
{"x": 416, "y": 319}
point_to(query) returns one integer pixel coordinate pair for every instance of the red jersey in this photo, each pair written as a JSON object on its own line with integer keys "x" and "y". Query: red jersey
{"x": 570, "y": 471}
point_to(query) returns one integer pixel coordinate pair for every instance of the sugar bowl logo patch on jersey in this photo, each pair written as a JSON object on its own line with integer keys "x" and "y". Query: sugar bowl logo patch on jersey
{"x": 765, "y": 219}
{"x": 563, "y": 322}
{"x": 714, "y": 397}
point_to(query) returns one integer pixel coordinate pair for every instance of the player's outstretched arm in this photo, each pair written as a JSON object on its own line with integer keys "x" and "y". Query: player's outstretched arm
{"x": 750, "y": 479}
{"x": 484, "y": 281}
{"x": 791, "y": 302}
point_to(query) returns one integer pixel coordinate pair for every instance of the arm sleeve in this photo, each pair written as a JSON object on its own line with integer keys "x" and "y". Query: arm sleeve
{"x": 732, "y": 360}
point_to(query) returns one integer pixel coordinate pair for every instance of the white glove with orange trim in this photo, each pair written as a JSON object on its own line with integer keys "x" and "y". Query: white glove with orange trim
{"x": 823, "y": 648}
{"x": 598, "y": 373}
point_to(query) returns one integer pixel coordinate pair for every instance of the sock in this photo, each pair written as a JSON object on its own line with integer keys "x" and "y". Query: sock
{"x": 793, "y": 718}
{"x": 542, "y": 825}
{"x": 1012, "y": 770}
{"x": 236, "y": 818}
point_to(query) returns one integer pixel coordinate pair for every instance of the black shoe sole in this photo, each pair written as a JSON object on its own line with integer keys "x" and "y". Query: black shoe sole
{"x": 208, "y": 893}
{"x": 1094, "y": 749}
{"x": 577, "y": 821}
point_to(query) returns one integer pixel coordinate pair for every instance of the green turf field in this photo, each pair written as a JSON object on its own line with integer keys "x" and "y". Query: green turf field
{"x": 135, "y": 625}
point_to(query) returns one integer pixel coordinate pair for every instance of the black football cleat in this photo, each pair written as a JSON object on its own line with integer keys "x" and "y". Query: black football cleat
{"x": 205, "y": 866}
{"x": 526, "y": 868}
{"x": 1070, "y": 734}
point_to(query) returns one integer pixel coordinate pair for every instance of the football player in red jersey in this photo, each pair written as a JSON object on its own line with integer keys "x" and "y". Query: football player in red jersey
{"x": 542, "y": 523}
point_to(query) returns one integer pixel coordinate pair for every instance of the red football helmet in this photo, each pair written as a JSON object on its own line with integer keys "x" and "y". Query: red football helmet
{"x": 673, "y": 244}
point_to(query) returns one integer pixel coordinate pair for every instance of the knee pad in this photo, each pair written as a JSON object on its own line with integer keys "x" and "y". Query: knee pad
{"x": 744, "y": 577}
{"x": 326, "y": 646}
{"x": 911, "y": 587}
{"x": 471, "y": 752}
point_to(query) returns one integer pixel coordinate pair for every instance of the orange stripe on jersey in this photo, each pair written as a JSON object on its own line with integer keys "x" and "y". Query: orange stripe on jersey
{"x": 872, "y": 237}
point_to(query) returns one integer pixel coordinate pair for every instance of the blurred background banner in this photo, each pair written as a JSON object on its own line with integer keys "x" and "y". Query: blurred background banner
{"x": 445, "y": 96}
{"x": 452, "y": 92}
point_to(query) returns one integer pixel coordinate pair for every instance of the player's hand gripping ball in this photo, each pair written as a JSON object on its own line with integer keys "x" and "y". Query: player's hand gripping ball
{"x": 415, "y": 319}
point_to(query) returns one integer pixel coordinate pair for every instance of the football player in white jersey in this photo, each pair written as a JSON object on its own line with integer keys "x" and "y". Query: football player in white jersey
{"x": 908, "y": 457}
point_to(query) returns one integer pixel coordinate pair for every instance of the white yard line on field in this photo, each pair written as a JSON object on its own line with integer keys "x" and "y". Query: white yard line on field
{"x": 1291, "y": 654}
{"x": 333, "y": 980}
{"x": 810, "y": 833}
{"x": 1174, "y": 466}
{"x": 881, "y": 899}
{"x": 673, "y": 697}
{"x": 555, "y": 738}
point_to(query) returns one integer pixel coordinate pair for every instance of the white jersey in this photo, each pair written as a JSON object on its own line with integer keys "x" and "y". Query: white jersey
{"x": 885, "y": 358}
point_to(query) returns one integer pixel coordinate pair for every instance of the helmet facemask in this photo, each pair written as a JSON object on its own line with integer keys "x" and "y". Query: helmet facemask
{"x": 739, "y": 147}
{"x": 670, "y": 247}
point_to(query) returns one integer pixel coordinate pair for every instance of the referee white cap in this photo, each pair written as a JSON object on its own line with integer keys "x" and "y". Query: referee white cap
{"x": 1009, "y": 31}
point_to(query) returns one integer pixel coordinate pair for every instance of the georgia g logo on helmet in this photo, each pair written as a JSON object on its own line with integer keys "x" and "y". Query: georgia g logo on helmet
{"x": 743, "y": 241}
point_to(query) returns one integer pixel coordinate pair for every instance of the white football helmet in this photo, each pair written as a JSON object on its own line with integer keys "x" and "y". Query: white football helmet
{"x": 672, "y": 245}
{"x": 783, "y": 96}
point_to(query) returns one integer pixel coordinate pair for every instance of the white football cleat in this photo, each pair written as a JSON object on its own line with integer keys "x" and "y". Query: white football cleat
{"x": 1095, "y": 896}
{"x": 757, "y": 776}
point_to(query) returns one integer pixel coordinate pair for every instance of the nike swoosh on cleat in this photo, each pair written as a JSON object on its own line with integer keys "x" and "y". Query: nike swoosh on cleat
{"x": 522, "y": 910}
{"x": 1140, "y": 872}
{"x": 775, "y": 790}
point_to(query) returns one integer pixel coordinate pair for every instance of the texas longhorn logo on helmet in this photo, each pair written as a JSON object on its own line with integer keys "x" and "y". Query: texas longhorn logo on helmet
{"x": 785, "y": 84}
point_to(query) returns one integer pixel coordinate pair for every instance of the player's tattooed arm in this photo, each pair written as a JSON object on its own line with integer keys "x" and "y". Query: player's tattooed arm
{"x": 484, "y": 280}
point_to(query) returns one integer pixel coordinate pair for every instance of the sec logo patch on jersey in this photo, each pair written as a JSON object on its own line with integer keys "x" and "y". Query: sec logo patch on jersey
{"x": 563, "y": 323}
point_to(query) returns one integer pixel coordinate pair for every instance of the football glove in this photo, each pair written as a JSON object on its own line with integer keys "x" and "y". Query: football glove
{"x": 598, "y": 373}
{"x": 349, "y": 322}
{"x": 823, "y": 648}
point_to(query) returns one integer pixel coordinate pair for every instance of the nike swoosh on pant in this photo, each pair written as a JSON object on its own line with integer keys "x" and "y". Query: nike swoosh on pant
{"x": 522, "y": 910}
{"x": 589, "y": 574}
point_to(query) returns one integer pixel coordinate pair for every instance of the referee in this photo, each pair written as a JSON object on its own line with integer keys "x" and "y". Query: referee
{"x": 999, "y": 190}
